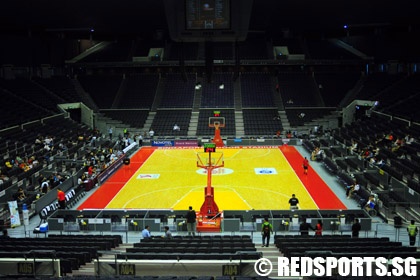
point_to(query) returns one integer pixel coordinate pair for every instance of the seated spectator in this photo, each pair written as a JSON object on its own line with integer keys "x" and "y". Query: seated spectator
{"x": 113, "y": 157}
{"x": 408, "y": 139}
{"x": 45, "y": 186}
{"x": 353, "y": 189}
{"x": 389, "y": 137}
{"x": 91, "y": 170}
{"x": 379, "y": 162}
{"x": 9, "y": 164}
{"x": 317, "y": 154}
{"x": 370, "y": 204}
{"x": 39, "y": 140}
{"x": 397, "y": 144}
{"x": 176, "y": 127}
{"x": 20, "y": 194}
{"x": 3, "y": 177}
{"x": 353, "y": 147}
{"x": 168, "y": 233}
{"x": 24, "y": 166}
{"x": 145, "y": 233}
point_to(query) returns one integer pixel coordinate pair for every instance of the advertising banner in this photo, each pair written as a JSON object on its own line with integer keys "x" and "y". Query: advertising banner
{"x": 14, "y": 214}
{"x": 162, "y": 143}
{"x": 186, "y": 143}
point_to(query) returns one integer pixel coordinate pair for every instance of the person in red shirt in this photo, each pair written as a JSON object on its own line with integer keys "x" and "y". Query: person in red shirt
{"x": 61, "y": 197}
{"x": 305, "y": 166}
{"x": 90, "y": 170}
{"x": 318, "y": 228}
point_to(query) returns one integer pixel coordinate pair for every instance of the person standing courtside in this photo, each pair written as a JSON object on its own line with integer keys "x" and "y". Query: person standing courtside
{"x": 355, "y": 228}
{"x": 294, "y": 202}
{"x": 191, "y": 220}
{"x": 61, "y": 197}
{"x": 318, "y": 228}
{"x": 304, "y": 228}
{"x": 412, "y": 232}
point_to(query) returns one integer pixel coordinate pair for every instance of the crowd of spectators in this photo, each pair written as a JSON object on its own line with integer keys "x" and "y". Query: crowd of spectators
{"x": 387, "y": 141}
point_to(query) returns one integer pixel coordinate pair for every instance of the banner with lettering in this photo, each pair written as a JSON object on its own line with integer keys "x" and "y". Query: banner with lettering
{"x": 14, "y": 214}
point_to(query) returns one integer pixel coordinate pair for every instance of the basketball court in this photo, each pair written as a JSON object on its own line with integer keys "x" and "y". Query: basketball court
{"x": 257, "y": 178}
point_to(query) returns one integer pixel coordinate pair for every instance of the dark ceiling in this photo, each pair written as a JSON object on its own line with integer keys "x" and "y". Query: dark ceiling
{"x": 141, "y": 18}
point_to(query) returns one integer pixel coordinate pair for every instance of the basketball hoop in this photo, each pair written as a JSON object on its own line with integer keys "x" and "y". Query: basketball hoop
{"x": 216, "y": 125}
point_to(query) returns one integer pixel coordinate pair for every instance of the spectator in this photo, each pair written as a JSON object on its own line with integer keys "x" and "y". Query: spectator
{"x": 318, "y": 228}
{"x": 145, "y": 233}
{"x": 353, "y": 147}
{"x": 90, "y": 170}
{"x": 45, "y": 186}
{"x": 176, "y": 127}
{"x": 412, "y": 232}
{"x": 168, "y": 233}
{"x": 140, "y": 138}
{"x": 408, "y": 139}
{"x": 304, "y": 228}
{"x": 370, "y": 204}
{"x": 61, "y": 197}
{"x": 352, "y": 189}
{"x": 191, "y": 221}
{"x": 355, "y": 228}
{"x": 266, "y": 229}
{"x": 151, "y": 133}
{"x": 20, "y": 194}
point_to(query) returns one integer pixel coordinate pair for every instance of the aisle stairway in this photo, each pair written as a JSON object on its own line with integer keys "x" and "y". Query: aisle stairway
{"x": 271, "y": 253}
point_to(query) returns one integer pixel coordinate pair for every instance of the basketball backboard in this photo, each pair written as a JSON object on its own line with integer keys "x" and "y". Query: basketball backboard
{"x": 216, "y": 122}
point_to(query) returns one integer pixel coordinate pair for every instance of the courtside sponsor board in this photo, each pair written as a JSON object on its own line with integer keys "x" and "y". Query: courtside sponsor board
{"x": 111, "y": 169}
{"x": 265, "y": 171}
{"x": 148, "y": 176}
{"x": 186, "y": 143}
{"x": 162, "y": 143}
{"x": 343, "y": 266}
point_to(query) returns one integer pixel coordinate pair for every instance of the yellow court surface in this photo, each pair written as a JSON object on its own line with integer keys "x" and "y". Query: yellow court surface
{"x": 252, "y": 178}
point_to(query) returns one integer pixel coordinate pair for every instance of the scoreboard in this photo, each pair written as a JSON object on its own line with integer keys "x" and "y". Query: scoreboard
{"x": 209, "y": 147}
